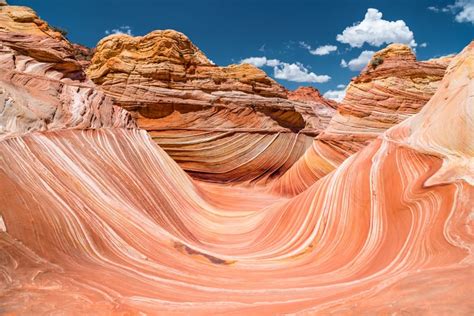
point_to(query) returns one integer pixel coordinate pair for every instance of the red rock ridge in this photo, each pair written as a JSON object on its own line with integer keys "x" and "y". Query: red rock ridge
{"x": 221, "y": 124}
{"x": 104, "y": 222}
{"x": 392, "y": 87}
{"x": 310, "y": 94}
{"x": 42, "y": 85}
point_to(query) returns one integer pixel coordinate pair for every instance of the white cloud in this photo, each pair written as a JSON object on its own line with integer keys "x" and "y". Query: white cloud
{"x": 360, "y": 62}
{"x": 462, "y": 9}
{"x": 320, "y": 51}
{"x": 376, "y": 31}
{"x": 298, "y": 73}
{"x": 261, "y": 61}
{"x": 273, "y": 62}
{"x": 423, "y": 44}
{"x": 434, "y": 9}
{"x": 466, "y": 13}
{"x": 341, "y": 86}
{"x": 124, "y": 29}
{"x": 256, "y": 61}
{"x": 292, "y": 72}
{"x": 336, "y": 95}
{"x": 305, "y": 45}
{"x": 323, "y": 50}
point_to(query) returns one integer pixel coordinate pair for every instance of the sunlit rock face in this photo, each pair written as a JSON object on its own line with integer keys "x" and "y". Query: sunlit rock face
{"x": 221, "y": 124}
{"x": 42, "y": 84}
{"x": 391, "y": 88}
{"x": 96, "y": 218}
{"x": 310, "y": 94}
{"x": 103, "y": 221}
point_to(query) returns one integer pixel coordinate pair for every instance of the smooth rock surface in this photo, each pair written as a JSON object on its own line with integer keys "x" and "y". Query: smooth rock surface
{"x": 96, "y": 218}
{"x": 113, "y": 225}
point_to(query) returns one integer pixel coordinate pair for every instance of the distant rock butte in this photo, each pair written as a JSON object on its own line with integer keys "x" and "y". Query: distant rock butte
{"x": 391, "y": 88}
{"x": 384, "y": 95}
{"x": 219, "y": 123}
{"x": 310, "y": 94}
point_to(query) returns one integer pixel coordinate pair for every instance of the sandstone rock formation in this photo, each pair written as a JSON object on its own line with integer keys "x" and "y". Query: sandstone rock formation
{"x": 83, "y": 54}
{"x": 310, "y": 94}
{"x": 42, "y": 85}
{"x": 220, "y": 124}
{"x": 392, "y": 87}
{"x": 103, "y": 221}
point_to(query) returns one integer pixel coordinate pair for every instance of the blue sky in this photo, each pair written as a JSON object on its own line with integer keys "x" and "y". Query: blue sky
{"x": 287, "y": 33}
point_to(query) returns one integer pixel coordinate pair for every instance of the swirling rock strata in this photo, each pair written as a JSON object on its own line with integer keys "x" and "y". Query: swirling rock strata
{"x": 42, "y": 85}
{"x": 392, "y": 87}
{"x": 219, "y": 123}
{"x": 104, "y": 221}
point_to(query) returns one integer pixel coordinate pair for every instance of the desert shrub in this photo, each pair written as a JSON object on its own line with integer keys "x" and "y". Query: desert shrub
{"x": 59, "y": 29}
{"x": 377, "y": 61}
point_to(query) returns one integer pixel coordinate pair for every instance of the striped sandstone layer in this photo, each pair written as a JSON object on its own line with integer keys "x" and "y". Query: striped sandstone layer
{"x": 104, "y": 221}
{"x": 221, "y": 124}
{"x": 42, "y": 85}
{"x": 390, "y": 89}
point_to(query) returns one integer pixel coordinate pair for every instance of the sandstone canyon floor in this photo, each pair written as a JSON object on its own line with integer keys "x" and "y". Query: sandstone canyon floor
{"x": 148, "y": 180}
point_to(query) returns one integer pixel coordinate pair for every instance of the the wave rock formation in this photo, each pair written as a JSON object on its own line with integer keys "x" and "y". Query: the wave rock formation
{"x": 96, "y": 218}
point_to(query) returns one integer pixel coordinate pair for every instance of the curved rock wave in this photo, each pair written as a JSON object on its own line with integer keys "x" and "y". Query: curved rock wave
{"x": 393, "y": 87}
{"x": 114, "y": 225}
{"x": 207, "y": 116}
{"x": 96, "y": 218}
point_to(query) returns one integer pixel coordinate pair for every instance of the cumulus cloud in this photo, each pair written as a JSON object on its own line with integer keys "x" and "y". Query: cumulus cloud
{"x": 292, "y": 72}
{"x": 336, "y": 95}
{"x": 423, "y": 44}
{"x": 273, "y": 62}
{"x": 463, "y": 10}
{"x": 124, "y": 29}
{"x": 298, "y": 73}
{"x": 360, "y": 62}
{"x": 341, "y": 86}
{"x": 256, "y": 61}
{"x": 323, "y": 50}
{"x": 320, "y": 51}
{"x": 376, "y": 31}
